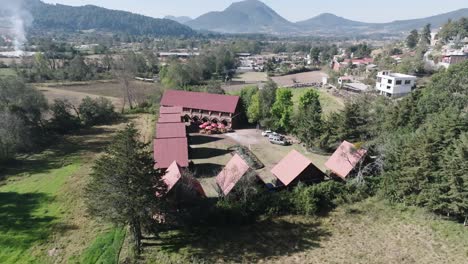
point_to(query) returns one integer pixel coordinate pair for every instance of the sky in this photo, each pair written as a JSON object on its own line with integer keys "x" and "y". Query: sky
{"x": 293, "y": 10}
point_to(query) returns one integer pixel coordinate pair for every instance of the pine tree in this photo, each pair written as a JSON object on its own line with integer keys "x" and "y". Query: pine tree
{"x": 309, "y": 125}
{"x": 124, "y": 184}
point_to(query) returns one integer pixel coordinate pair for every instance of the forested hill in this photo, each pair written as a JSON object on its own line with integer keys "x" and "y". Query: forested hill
{"x": 51, "y": 17}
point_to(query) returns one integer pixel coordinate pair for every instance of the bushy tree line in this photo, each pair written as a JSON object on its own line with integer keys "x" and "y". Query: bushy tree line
{"x": 217, "y": 64}
{"x": 23, "y": 126}
{"x": 454, "y": 30}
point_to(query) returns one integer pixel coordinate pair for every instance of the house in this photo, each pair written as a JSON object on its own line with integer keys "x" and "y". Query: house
{"x": 453, "y": 59}
{"x": 171, "y": 130}
{"x": 296, "y": 168}
{"x": 395, "y": 84}
{"x": 234, "y": 170}
{"x": 337, "y": 66}
{"x": 345, "y": 159}
{"x": 203, "y": 107}
{"x": 173, "y": 177}
{"x": 168, "y": 150}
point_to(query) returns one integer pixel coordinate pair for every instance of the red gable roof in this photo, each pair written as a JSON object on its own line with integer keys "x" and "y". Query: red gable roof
{"x": 168, "y": 150}
{"x": 290, "y": 167}
{"x": 231, "y": 174}
{"x": 345, "y": 158}
{"x": 172, "y": 175}
{"x": 170, "y": 130}
{"x": 170, "y": 110}
{"x": 170, "y": 118}
{"x": 202, "y": 101}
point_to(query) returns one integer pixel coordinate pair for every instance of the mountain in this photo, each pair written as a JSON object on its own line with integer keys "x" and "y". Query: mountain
{"x": 49, "y": 17}
{"x": 253, "y": 16}
{"x": 180, "y": 19}
{"x": 249, "y": 16}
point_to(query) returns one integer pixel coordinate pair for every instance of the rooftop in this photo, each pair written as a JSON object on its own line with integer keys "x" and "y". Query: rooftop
{"x": 170, "y": 110}
{"x": 290, "y": 167}
{"x": 202, "y": 101}
{"x": 168, "y": 150}
{"x": 395, "y": 75}
{"x": 170, "y": 130}
{"x": 234, "y": 170}
{"x": 170, "y": 118}
{"x": 344, "y": 159}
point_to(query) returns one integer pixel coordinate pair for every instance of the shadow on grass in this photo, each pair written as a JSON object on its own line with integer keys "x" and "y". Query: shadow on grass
{"x": 206, "y": 170}
{"x": 201, "y": 139}
{"x": 244, "y": 244}
{"x": 207, "y": 153}
{"x": 60, "y": 152}
{"x": 21, "y": 222}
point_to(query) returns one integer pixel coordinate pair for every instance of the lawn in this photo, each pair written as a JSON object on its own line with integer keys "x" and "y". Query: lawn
{"x": 371, "y": 231}
{"x": 43, "y": 216}
{"x": 329, "y": 102}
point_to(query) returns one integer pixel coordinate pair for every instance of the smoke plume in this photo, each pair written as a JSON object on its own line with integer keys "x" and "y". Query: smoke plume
{"x": 17, "y": 18}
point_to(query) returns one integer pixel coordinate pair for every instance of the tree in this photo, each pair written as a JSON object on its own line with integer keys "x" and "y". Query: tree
{"x": 309, "y": 118}
{"x": 281, "y": 110}
{"x": 412, "y": 39}
{"x": 267, "y": 98}
{"x": 426, "y": 34}
{"x": 124, "y": 184}
{"x": 96, "y": 111}
{"x": 78, "y": 70}
{"x": 63, "y": 120}
{"x": 246, "y": 95}
{"x": 253, "y": 111}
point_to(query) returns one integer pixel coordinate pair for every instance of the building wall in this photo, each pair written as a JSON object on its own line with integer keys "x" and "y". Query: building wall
{"x": 395, "y": 86}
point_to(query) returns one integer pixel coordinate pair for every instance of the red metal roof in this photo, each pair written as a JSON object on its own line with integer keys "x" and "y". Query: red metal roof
{"x": 345, "y": 158}
{"x": 202, "y": 101}
{"x": 290, "y": 167}
{"x": 170, "y": 130}
{"x": 168, "y": 150}
{"x": 170, "y": 110}
{"x": 234, "y": 170}
{"x": 172, "y": 175}
{"x": 170, "y": 118}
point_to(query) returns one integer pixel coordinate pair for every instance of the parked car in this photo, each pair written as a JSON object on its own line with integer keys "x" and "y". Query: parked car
{"x": 274, "y": 135}
{"x": 279, "y": 140}
{"x": 266, "y": 133}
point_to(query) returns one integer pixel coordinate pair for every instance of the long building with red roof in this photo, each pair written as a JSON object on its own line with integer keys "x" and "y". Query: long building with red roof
{"x": 168, "y": 150}
{"x": 201, "y": 107}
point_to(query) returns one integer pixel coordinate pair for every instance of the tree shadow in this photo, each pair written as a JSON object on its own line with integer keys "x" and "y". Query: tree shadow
{"x": 244, "y": 244}
{"x": 19, "y": 217}
{"x": 206, "y": 153}
{"x": 201, "y": 139}
{"x": 206, "y": 170}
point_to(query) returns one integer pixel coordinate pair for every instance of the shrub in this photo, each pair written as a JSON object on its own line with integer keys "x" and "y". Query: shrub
{"x": 63, "y": 121}
{"x": 96, "y": 111}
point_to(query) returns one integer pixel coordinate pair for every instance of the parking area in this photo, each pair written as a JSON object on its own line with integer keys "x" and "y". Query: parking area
{"x": 210, "y": 154}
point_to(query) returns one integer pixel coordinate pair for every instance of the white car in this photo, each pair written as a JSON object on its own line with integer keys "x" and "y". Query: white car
{"x": 266, "y": 133}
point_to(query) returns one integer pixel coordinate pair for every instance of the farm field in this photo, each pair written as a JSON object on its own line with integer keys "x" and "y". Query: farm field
{"x": 366, "y": 232}
{"x": 43, "y": 216}
{"x": 304, "y": 77}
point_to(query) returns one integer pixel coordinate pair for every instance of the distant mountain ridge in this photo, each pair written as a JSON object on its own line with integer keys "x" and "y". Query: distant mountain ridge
{"x": 50, "y": 17}
{"x": 253, "y": 16}
{"x": 180, "y": 19}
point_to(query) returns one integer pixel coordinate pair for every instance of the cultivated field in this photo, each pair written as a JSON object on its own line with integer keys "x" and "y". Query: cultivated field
{"x": 367, "y": 232}
{"x": 42, "y": 212}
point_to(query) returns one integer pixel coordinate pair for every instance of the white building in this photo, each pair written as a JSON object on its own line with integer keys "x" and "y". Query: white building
{"x": 395, "y": 84}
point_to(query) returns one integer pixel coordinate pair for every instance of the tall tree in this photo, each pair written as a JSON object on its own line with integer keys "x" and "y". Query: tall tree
{"x": 282, "y": 109}
{"x": 309, "y": 118}
{"x": 412, "y": 39}
{"x": 426, "y": 34}
{"x": 124, "y": 184}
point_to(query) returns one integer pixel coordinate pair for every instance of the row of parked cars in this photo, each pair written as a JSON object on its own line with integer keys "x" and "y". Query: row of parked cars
{"x": 275, "y": 138}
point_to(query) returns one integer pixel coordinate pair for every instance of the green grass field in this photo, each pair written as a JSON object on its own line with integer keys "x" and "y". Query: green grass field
{"x": 329, "y": 102}
{"x": 7, "y": 72}
{"x": 30, "y": 207}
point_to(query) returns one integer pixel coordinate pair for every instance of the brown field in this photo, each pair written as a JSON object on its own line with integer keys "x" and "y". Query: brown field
{"x": 366, "y": 232}
{"x": 305, "y": 77}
